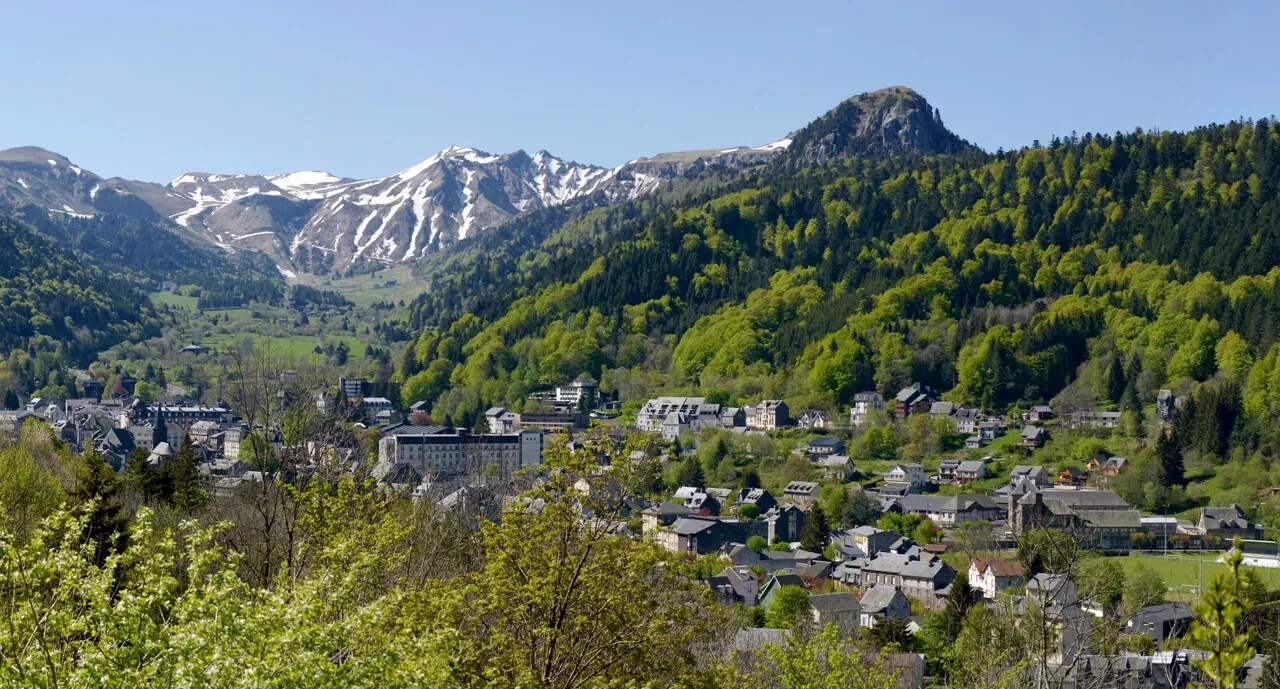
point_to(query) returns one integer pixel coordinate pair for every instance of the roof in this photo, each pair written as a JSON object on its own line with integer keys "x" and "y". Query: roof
{"x": 834, "y": 461}
{"x": 834, "y": 602}
{"x": 817, "y": 569}
{"x": 786, "y": 579}
{"x": 801, "y": 487}
{"x": 1042, "y": 408}
{"x": 1082, "y": 499}
{"x": 1229, "y": 517}
{"x": 1162, "y": 612}
{"x": 878, "y": 598}
{"x": 971, "y": 466}
{"x": 666, "y": 508}
{"x": 826, "y": 441}
{"x": 947, "y": 408}
{"x": 948, "y": 503}
{"x": 999, "y": 568}
{"x": 914, "y": 564}
{"x": 691, "y": 527}
{"x": 752, "y": 494}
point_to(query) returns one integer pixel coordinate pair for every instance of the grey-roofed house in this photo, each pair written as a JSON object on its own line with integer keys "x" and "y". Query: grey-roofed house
{"x": 661, "y": 514}
{"x": 784, "y": 523}
{"x": 947, "y": 511}
{"x": 802, "y": 492}
{"x": 1227, "y": 523}
{"x": 917, "y": 572}
{"x": 967, "y": 419}
{"x": 771, "y": 560}
{"x": 835, "y": 467}
{"x": 824, "y": 445}
{"x": 871, "y": 540}
{"x": 882, "y": 602}
{"x": 759, "y": 497}
{"x": 947, "y": 470}
{"x": 971, "y": 470}
{"x": 908, "y": 472}
{"x": 913, "y": 399}
{"x": 813, "y": 418}
{"x": 942, "y": 410}
{"x": 1040, "y": 412}
{"x": 1034, "y": 474}
{"x": 840, "y": 609}
{"x": 688, "y": 535}
{"x": 735, "y": 585}
{"x": 1161, "y": 622}
{"x": 1165, "y": 408}
{"x": 815, "y": 570}
{"x": 1033, "y": 436}
{"x": 775, "y": 583}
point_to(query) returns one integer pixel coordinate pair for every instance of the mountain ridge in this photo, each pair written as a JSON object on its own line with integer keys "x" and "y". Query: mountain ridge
{"x": 319, "y": 222}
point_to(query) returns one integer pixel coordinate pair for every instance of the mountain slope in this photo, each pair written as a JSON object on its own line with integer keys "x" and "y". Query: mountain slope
{"x": 122, "y": 227}
{"x": 46, "y": 291}
{"x": 1005, "y": 280}
{"x": 319, "y": 222}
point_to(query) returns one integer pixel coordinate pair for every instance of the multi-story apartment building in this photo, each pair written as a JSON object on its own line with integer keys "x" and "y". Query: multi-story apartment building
{"x": 864, "y": 403}
{"x": 696, "y": 411}
{"x": 440, "y": 451}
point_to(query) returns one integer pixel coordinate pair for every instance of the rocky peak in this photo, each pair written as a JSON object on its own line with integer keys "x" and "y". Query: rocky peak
{"x": 891, "y": 121}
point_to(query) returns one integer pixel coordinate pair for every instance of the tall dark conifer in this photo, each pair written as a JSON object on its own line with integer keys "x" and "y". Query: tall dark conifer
{"x": 1169, "y": 454}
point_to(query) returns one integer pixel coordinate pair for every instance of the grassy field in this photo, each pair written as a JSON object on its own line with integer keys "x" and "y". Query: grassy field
{"x": 364, "y": 290}
{"x": 1183, "y": 572}
{"x": 298, "y": 346}
{"x": 175, "y": 301}
{"x": 233, "y": 314}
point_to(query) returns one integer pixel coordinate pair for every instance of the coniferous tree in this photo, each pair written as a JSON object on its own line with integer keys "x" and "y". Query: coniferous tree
{"x": 816, "y": 532}
{"x": 958, "y": 603}
{"x": 11, "y": 399}
{"x": 1169, "y": 455}
{"x": 184, "y": 480}
{"x": 97, "y": 497}
{"x": 1116, "y": 380}
{"x": 691, "y": 473}
{"x": 750, "y": 478}
{"x": 136, "y": 472}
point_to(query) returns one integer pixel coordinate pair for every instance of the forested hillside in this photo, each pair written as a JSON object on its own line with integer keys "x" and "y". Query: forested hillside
{"x": 148, "y": 251}
{"x": 1005, "y": 278}
{"x": 52, "y": 300}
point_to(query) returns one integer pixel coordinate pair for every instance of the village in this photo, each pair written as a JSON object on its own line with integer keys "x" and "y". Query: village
{"x": 925, "y": 530}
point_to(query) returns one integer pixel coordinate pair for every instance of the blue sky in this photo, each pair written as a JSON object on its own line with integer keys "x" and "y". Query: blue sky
{"x": 149, "y": 90}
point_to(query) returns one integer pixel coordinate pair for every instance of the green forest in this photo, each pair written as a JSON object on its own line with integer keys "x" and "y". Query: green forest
{"x": 51, "y": 300}
{"x": 1004, "y": 279}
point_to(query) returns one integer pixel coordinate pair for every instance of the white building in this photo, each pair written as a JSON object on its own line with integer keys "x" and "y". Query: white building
{"x": 696, "y": 411}
{"x": 912, "y": 474}
{"x": 864, "y": 403}
{"x": 578, "y": 389}
{"x": 435, "y": 450}
{"x": 500, "y": 420}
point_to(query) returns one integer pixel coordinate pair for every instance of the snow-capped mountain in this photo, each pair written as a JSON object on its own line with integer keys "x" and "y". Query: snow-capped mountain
{"x": 318, "y": 221}
{"x": 440, "y": 200}
{"x": 314, "y": 219}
